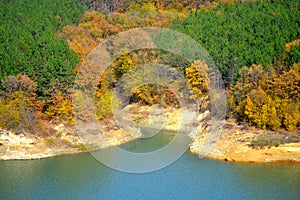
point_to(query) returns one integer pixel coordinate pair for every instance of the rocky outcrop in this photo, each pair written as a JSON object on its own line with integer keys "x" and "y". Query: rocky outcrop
{"x": 65, "y": 141}
{"x": 17, "y": 146}
{"x": 233, "y": 145}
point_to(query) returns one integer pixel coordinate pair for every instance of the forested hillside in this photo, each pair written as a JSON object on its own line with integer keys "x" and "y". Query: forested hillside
{"x": 255, "y": 45}
{"x": 244, "y": 34}
{"x": 28, "y": 42}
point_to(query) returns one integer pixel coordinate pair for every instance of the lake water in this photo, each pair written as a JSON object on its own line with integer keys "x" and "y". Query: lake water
{"x": 83, "y": 177}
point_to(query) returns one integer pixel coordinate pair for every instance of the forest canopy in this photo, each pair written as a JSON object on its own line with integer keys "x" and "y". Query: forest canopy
{"x": 255, "y": 45}
{"x": 28, "y": 42}
{"x": 240, "y": 34}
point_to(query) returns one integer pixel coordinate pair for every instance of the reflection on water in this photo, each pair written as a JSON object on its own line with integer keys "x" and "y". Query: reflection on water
{"x": 149, "y": 144}
{"x": 83, "y": 177}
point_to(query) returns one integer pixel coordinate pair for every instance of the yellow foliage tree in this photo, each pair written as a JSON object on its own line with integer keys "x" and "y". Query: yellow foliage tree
{"x": 197, "y": 77}
{"x": 249, "y": 108}
{"x": 59, "y": 109}
{"x": 16, "y": 111}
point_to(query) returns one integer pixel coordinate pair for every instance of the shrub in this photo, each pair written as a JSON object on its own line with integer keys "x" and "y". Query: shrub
{"x": 59, "y": 108}
{"x": 105, "y": 104}
{"x": 50, "y": 142}
{"x": 19, "y": 83}
{"x": 17, "y": 112}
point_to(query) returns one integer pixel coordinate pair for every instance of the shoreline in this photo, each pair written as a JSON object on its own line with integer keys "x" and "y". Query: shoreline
{"x": 214, "y": 155}
{"x": 210, "y": 157}
{"x": 233, "y": 144}
{"x": 21, "y": 147}
{"x": 270, "y": 160}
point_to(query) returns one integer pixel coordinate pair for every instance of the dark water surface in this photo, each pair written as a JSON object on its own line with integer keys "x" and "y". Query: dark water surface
{"x": 83, "y": 177}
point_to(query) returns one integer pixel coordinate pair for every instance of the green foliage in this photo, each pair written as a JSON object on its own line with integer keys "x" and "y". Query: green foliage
{"x": 244, "y": 34}
{"x": 28, "y": 44}
{"x": 146, "y": 5}
{"x": 81, "y": 147}
{"x": 292, "y": 53}
{"x": 50, "y": 142}
{"x": 263, "y": 141}
{"x": 235, "y": 35}
{"x": 274, "y": 139}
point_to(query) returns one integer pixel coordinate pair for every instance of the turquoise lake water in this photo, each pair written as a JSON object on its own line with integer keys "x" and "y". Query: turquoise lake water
{"x": 83, "y": 177}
